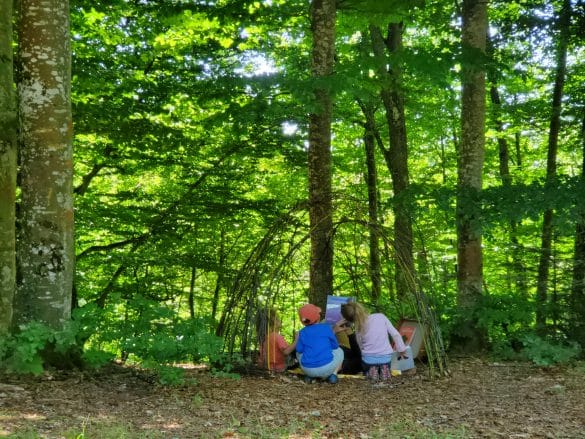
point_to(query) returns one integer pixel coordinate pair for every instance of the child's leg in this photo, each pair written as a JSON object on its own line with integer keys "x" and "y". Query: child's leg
{"x": 385, "y": 372}
{"x": 373, "y": 373}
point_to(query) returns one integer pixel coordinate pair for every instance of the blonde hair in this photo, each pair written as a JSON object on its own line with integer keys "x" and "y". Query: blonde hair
{"x": 355, "y": 313}
{"x": 267, "y": 321}
{"x": 274, "y": 322}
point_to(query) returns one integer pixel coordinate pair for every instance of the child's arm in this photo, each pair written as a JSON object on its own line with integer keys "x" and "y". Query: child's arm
{"x": 340, "y": 326}
{"x": 397, "y": 337}
{"x": 299, "y": 342}
{"x": 291, "y": 347}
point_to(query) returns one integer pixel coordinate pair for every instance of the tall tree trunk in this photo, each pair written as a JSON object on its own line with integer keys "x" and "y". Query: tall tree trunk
{"x": 577, "y": 313}
{"x": 436, "y": 356}
{"x": 372, "y": 183}
{"x": 45, "y": 245}
{"x": 219, "y": 282}
{"x": 468, "y": 336}
{"x": 191, "y": 300}
{"x": 321, "y": 208}
{"x": 396, "y": 155}
{"x": 518, "y": 270}
{"x": 551, "y": 168}
{"x": 7, "y": 169}
{"x": 518, "y": 147}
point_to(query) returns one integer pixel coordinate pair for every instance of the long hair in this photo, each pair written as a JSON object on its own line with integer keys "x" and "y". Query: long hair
{"x": 355, "y": 313}
{"x": 267, "y": 322}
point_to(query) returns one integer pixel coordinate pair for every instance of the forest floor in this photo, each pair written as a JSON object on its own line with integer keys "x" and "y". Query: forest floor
{"x": 480, "y": 399}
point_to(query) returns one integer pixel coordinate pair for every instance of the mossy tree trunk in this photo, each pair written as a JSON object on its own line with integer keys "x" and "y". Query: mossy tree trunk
{"x": 468, "y": 336}
{"x": 7, "y": 169}
{"x": 321, "y": 207}
{"x": 46, "y": 240}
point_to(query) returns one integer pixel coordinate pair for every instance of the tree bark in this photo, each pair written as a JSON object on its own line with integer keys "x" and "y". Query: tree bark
{"x": 518, "y": 270}
{"x": 372, "y": 183}
{"x": 7, "y": 169}
{"x": 219, "y": 282}
{"x": 551, "y": 169}
{"x": 468, "y": 336}
{"x": 191, "y": 299}
{"x": 46, "y": 240}
{"x": 396, "y": 155}
{"x": 321, "y": 208}
{"x": 577, "y": 313}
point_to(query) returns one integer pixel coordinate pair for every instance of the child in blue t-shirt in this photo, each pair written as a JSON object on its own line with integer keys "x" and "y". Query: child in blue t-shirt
{"x": 318, "y": 351}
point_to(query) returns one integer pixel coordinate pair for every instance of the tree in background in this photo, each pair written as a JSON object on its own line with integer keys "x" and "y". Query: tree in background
{"x": 191, "y": 166}
{"x": 468, "y": 335}
{"x": 564, "y": 23}
{"x": 387, "y": 50}
{"x": 370, "y": 134}
{"x": 7, "y": 169}
{"x": 320, "y": 201}
{"x": 518, "y": 270}
{"x": 577, "y": 301}
{"x": 577, "y": 296}
{"x": 45, "y": 239}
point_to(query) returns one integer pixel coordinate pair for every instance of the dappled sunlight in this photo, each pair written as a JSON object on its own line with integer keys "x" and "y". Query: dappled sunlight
{"x": 480, "y": 398}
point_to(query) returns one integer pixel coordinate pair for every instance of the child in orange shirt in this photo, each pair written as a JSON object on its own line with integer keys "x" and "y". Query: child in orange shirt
{"x": 274, "y": 349}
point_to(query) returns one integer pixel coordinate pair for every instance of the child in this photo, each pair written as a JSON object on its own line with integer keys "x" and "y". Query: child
{"x": 352, "y": 355}
{"x": 274, "y": 349}
{"x": 372, "y": 335}
{"x": 318, "y": 351}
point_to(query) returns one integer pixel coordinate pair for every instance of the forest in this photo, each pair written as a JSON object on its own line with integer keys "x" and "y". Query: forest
{"x": 172, "y": 170}
{"x": 169, "y": 169}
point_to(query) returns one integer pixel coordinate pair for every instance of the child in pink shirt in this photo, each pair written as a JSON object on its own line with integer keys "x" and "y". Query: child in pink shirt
{"x": 373, "y": 331}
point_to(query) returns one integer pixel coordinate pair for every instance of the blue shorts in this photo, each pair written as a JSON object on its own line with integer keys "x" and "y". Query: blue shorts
{"x": 325, "y": 370}
{"x": 372, "y": 360}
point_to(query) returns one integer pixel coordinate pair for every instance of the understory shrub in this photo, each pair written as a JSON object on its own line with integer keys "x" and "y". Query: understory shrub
{"x": 35, "y": 345}
{"x": 151, "y": 335}
{"x": 543, "y": 352}
{"x": 146, "y": 336}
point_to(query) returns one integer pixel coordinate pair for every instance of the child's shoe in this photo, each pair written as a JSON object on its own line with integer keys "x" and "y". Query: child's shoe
{"x": 385, "y": 372}
{"x": 332, "y": 379}
{"x": 373, "y": 374}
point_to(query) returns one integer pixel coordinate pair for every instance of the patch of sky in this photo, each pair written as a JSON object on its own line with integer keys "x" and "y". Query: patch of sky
{"x": 256, "y": 64}
{"x": 289, "y": 128}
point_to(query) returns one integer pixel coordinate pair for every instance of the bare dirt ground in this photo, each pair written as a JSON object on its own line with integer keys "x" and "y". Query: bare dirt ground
{"x": 480, "y": 399}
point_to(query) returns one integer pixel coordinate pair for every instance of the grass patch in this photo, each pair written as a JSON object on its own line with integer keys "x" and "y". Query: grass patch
{"x": 412, "y": 430}
{"x": 92, "y": 430}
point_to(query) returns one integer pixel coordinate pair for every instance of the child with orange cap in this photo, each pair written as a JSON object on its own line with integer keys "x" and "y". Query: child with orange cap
{"x": 318, "y": 351}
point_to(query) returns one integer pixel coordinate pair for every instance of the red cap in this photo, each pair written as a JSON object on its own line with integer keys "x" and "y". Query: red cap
{"x": 309, "y": 314}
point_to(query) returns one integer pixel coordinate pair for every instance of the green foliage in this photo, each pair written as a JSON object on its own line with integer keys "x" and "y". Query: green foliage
{"x": 225, "y": 364}
{"x": 504, "y": 315}
{"x": 508, "y": 321}
{"x": 182, "y": 164}
{"x": 152, "y": 336}
{"x": 543, "y": 352}
{"x": 150, "y": 339}
{"x": 170, "y": 376}
{"x": 96, "y": 358}
{"x": 22, "y": 352}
